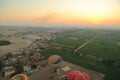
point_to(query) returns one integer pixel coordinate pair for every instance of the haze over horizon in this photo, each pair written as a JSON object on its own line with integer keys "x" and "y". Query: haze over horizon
{"x": 60, "y": 12}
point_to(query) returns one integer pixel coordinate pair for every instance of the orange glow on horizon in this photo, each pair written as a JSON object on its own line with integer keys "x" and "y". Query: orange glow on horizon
{"x": 56, "y": 18}
{"x": 77, "y": 12}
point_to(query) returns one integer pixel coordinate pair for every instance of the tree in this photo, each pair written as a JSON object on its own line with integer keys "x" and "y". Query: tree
{"x": 4, "y": 42}
{"x": 9, "y": 55}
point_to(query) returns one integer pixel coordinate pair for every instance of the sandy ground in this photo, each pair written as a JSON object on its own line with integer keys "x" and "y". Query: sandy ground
{"x": 17, "y": 41}
{"x": 46, "y": 72}
{"x": 6, "y": 32}
{"x": 16, "y": 44}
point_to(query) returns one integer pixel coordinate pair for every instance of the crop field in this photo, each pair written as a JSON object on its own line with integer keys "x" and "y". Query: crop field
{"x": 75, "y": 38}
{"x": 106, "y": 45}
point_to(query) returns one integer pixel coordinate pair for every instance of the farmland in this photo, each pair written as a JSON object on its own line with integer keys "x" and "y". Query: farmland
{"x": 105, "y": 46}
{"x": 74, "y": 39}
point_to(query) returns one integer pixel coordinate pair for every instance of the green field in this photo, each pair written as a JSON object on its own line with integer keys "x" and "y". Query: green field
{"x": 75, "y": 59}
{"x": 106, "y": 46}
{"x": 74, "y": 39}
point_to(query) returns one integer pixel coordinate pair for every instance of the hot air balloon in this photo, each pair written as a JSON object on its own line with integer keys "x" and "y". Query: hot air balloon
{"x": 54, "y": 60}
{"x": 20, "y": 77}
{"x": 77, "y": 75}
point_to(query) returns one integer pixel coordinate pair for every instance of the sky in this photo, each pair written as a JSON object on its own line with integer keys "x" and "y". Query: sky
{"x": 60, "y": 12}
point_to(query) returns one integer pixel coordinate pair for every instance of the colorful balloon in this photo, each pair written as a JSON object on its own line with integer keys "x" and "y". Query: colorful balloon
{"x": 77, "y": 75}
{"x": 54, "y": 60}
{"x": 20, "y": 77}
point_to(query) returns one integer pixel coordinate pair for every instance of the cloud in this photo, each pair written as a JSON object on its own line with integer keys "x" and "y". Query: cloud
{"x": 47, "y": 18}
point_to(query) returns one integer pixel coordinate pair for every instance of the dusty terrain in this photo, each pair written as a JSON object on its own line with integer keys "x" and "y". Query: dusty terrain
{"x": 45, "y": 73}
{"x": 18, "y": 38}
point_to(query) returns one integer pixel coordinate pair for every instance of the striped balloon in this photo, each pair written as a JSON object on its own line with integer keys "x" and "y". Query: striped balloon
{"x": 20, "y": 77}
{"x": 54, "y": 60}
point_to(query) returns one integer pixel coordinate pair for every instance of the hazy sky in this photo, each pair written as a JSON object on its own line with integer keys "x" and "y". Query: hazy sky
{"x": 75, "y": 12}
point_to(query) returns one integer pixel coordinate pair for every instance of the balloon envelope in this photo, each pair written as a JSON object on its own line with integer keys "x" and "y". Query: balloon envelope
{"x": 77, "y": 75}
{"x": 54, "y": 60}
{"x": 20, "y": 77}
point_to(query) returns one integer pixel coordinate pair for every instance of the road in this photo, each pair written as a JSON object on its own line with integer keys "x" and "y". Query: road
{"x": 84, "y": 44}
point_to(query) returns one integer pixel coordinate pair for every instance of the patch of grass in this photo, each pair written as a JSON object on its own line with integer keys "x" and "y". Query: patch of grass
{"x": 103, "y": 46}
{"x": 78, "y": 38}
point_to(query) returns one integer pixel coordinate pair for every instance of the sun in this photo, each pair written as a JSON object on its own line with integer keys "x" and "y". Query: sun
{"x": 96, "y": 11}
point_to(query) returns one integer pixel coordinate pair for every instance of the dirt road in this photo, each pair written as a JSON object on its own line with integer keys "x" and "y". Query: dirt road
{"x": 84, "y": 44}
